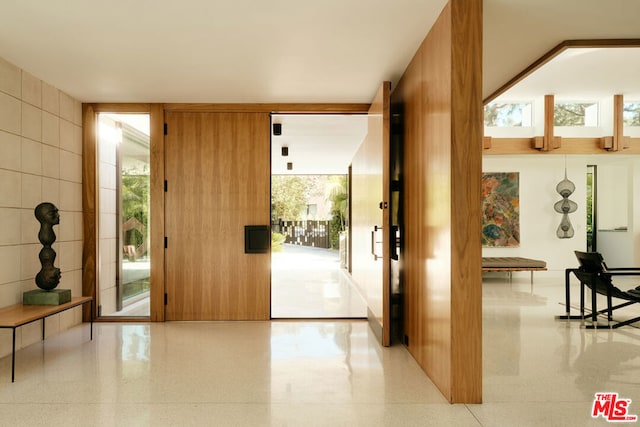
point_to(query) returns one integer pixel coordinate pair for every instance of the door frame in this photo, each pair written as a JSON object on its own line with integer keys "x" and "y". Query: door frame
{"x": 91, "y": 203}
{"x": 90, "y": 214}
{"x": 357, "y": 112}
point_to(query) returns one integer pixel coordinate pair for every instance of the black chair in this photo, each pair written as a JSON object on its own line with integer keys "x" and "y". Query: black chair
{"x": 594, "y": 274}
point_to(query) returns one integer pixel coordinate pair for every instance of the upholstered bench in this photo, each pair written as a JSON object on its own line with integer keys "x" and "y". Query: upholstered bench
{"x": 511, "y": 264}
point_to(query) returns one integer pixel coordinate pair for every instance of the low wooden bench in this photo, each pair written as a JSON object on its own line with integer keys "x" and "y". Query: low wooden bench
{"x": 18, "y": 315}
{"x": 511, "y": 264}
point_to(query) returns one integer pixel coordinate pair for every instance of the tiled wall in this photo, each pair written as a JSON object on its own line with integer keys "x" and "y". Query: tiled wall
{"x": 108, "y": 218}
{"x": 40, "y": 160}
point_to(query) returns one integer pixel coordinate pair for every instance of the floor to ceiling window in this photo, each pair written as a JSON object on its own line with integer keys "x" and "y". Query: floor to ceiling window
{"x": 124, "y": 206}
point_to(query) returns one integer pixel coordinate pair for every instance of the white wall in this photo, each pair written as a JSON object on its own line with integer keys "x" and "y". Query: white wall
{"x": 618, "y": 207}
{"x": 40, "y": 160}
{"x": 539, "y": 175}
{"x": 618, "y": 182}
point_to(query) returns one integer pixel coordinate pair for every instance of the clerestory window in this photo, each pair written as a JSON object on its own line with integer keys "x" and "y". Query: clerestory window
{"x": 631, "y": 113}
{"x": 500, "y": 114}
{"x": 580, "y": 114}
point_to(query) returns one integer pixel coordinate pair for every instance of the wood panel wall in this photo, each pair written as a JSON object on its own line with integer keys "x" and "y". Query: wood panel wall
{"x": 89, "y": 207}
{"x": 370, "y": 188}
{"x": 441, "y": 99}
{"x": 217, "y": 167}
{"x": 366, "y": 193}
{"x": 156, "y": 295}
{"x": 466, "y": 169}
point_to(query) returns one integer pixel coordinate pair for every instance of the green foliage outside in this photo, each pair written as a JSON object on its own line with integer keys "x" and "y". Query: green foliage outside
{"x": 137, "y": 287}
{"x": 289, "y": 194}
{"x": 570, "y": 114}
{"x": 337, "y": 194}
{"x": 277, "y": 240}
{"x": 503, "y": 114}
{"x": 631, "y": 114}
{"x": 292, "y": 194}
{"x": 565, "y": 114}
{"x": 135, "y": 204}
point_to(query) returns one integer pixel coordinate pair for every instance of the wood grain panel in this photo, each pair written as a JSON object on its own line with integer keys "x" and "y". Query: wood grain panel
{"x": 122, "y": 108}
{"x": 618, "y": 122}
{"x": 440, "y": 94}
{"x": 366, "y": 194}
{"x": 466, "y": 172}
{"x": 408, "y": 95}
{"x": 218, "y": 172}
{"x": 549, "y": 123}
{"x": 20, "y": 314}
{"x": 269, "y": 108}
{"x": 370, "y": 190}
{"x": 156, "y": 309}
{"x": 512, "y": 146}
{"x": 380, "y": 116}
{"x": 435, "y": 200}
{"x": 89, "y": 204}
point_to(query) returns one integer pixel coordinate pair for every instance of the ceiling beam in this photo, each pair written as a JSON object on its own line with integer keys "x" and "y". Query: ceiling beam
{"x": 281, "y": 108}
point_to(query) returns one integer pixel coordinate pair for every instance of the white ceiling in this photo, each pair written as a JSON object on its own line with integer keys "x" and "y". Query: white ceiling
{"x": 582, "y": 74}
{"x": 517, "y": 32}
{"x": 317, "y": 144}
{"x": 291, "y": 50}
{"x": 277, "y": 51}
{"x": 215, "y": 50}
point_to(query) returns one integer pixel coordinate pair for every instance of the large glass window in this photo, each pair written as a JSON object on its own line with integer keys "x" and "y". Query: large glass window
{"x": 124, "y": 181}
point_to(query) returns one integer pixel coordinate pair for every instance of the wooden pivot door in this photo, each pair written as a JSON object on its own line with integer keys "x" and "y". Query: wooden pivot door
{"x": 370, "y": 220}
{"x": 217, "y": 167}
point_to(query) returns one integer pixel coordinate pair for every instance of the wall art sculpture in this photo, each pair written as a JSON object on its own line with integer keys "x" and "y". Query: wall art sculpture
{"x": 565, "y": 206}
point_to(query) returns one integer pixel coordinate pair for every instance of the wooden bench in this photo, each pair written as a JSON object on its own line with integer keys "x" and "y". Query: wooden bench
{"x": 18, "y": 315}
{"x": 511, "y": 264}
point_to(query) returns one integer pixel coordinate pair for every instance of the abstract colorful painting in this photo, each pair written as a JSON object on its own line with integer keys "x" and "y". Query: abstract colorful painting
{"x": 500, "y": 209}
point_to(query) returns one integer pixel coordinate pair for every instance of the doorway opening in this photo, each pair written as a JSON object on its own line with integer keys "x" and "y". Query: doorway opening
{"x": 310, "y": 161}
{"x": 124, "y": 206}
{"x": 592, "y": 208}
